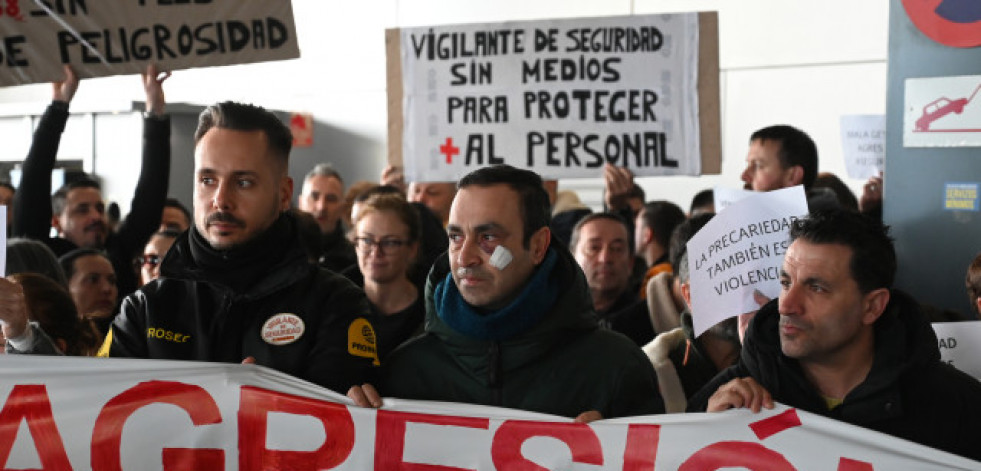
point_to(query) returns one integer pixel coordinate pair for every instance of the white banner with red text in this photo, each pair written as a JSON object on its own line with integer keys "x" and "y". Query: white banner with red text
{"x": 114, "y": 414}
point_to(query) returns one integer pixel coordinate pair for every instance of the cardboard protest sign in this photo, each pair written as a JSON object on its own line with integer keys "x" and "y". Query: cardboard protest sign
{"x": 739, "y": 251}
{"x": 960, "y": 345}
{"x": 113, "y": 38}
{"x": 863, "y": 143}
{"x": 559, "y": 97}
{"x": 85, "y": 413}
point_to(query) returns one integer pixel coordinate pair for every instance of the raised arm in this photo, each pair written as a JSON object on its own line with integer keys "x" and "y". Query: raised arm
{"x": 151, "y": 188}
{"x": 32, "y": 202}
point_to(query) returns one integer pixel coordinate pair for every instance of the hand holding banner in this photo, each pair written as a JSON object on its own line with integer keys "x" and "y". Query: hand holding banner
{"x": 83, "y": 413}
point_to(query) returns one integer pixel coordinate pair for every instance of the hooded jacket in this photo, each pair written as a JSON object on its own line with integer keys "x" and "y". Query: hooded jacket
{"x": 909, "y": 393}
{"x": 563, "y": 365}
{"x": 192, "y": 313}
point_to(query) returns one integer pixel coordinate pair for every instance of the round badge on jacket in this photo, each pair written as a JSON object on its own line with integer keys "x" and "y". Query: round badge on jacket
{"x": 282, "y": 329}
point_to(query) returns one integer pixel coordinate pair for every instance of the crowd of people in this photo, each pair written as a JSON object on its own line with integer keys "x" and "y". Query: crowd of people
{"x": 496, "y": 289}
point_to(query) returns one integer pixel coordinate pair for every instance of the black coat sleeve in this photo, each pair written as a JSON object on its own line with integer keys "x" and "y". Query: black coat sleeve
{"x": 32, "y": 201}
{"x": 151, "y": 188}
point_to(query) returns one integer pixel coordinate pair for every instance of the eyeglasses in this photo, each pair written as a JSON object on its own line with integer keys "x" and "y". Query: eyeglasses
{"x": 368, "y": 244}
{"x": 149, "y": 260}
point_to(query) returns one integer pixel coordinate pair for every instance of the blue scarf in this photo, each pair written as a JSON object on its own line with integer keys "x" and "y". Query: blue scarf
{"x": 530, "y": 307}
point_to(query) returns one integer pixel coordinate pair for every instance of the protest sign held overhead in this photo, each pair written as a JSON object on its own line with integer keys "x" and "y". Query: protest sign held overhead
{"x": 740, "y": 251}
{"x": 84, "y": 413}
{"x": 559, "y": 97}
{"x": 112, "y": 38}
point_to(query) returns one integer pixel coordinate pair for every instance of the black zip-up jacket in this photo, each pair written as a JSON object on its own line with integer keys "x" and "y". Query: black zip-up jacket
{"x": 32, "y": 202}
{"x": 909, "y": 393}
{"x": 186, "y": 315}
{"x": 565, "y": 365}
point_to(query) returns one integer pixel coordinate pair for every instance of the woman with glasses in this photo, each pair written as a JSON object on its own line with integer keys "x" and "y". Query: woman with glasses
{"x": 148, "y": 264}
{"x": 386, "y": 236}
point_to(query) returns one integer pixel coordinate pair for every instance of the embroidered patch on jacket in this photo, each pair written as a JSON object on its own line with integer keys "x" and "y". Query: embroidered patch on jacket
{"x": 282, "y": 329}
{"x": 361, "y": 340}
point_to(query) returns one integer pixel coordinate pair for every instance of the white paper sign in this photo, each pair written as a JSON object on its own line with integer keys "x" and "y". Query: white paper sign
{"x": 725, "y": 197}
{"x": 863, "y": 143}
{"x": 960, "y": 345}
{"x": 559, "y": 97}
{"x": 739, "y": 251}
{"x": 942, "y": 112}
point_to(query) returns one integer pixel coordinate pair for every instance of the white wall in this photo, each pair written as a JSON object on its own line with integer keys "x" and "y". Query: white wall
{"x": 801, "y": 63}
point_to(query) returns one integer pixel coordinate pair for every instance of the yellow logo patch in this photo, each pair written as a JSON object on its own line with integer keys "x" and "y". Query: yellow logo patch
{"x": 163, "y": 334}
{"x": 361, "y": 340}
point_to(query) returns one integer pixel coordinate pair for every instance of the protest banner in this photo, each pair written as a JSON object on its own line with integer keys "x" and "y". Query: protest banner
{"x": 559, "y": 97}
{"x": 112, "y": 38}
{"x": 863, "y": 143}
{"x": 112, "y": 414}
{"x": 960, "y": 345}
{"x": 740, "y": 251}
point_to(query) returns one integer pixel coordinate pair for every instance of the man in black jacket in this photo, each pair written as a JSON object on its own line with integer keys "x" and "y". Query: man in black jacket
{"x": 238, "y": 285}
{"x": 322, "y": 196}
{"x": 508, "y": 319}
{"x": 600, "y": 244}
{"x": 839, "y": 343}
{"x": 77, "y": 211}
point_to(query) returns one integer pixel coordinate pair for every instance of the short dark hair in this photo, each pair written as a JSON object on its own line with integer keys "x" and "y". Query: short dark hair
{"x": 60, "y": 197}
{"x": 682, "y": 234}
{"x": 636, "y": 192}
{"x": 8, "y": 185}
{"x": 574, "y": 238}
{"x": 843, "y": 194}
{"x": 662, "y": 217}
{"x": 972, "y": 281}
{"x": 873, "y": 263}
{"x": 246, "y": 117}
{"x": 175, "y": 203}
{"x": 535, "y": 206}
{"x": 796, "y": 148}
{"x": 67, "y": 260}
{"x": 702, "y": 198}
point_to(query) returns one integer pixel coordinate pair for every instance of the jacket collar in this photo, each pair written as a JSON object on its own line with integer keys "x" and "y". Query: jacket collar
{"x": 276, "y": 266}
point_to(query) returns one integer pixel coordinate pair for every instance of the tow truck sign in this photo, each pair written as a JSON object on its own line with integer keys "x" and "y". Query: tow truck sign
{"x": 942, "y": 112}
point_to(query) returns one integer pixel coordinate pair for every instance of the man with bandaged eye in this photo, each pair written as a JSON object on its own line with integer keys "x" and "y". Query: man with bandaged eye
{"x": 509, "y": 320}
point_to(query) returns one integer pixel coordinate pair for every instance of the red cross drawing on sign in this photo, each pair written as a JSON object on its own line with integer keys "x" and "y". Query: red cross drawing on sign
{"x": 449, "y": 150}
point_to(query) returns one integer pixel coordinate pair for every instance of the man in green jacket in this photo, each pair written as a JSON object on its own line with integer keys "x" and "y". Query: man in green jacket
{"x": 509, "y": 320}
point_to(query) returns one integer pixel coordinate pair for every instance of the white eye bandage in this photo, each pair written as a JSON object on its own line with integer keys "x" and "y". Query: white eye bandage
{"x": 501, "y": 257}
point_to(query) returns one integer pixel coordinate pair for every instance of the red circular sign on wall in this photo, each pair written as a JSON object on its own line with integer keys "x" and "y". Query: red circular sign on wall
{"x": 954, "y": 23}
